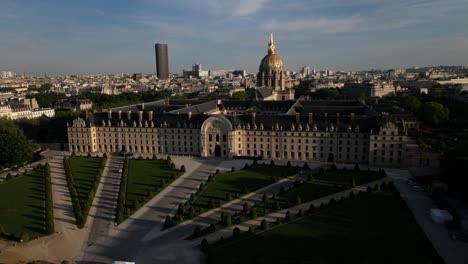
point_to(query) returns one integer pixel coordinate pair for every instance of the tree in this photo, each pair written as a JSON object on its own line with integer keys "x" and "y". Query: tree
{"x": 433, "y": 113}
{"x": 239, "y": 95}
{"x": 411, "y": 103}
{"x": 14, "y": 146}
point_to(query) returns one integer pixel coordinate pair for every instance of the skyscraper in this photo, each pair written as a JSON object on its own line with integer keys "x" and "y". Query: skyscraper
{"x": 162, "y": 61}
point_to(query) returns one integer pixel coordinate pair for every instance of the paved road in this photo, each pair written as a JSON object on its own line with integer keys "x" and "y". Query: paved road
{"x": 102, "y": 212}
{"x": 127, "y": 237}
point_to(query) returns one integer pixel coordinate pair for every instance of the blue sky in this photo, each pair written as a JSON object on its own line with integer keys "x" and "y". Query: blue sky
{"x": 114, "y": 36}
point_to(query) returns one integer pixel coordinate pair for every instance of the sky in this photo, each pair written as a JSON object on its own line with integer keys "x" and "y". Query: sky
{"x": 114, "y": 36}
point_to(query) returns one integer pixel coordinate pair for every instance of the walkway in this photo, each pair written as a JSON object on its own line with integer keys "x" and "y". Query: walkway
{"x": 102, "y": 213}
{"x": 452, "y": 251}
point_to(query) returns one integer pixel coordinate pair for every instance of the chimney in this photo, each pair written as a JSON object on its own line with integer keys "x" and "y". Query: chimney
{"x": 298, "y": 118}
{"x": 311, "y": 118}
{"x": 338, "y": 118}
{"x": 140, "y": 116}
{"x": 189, "y": 115}
{"x": 120, "y": 115}
{"x": 129, "y": 115}
{"x": 253, "y": 117}
{"x": 150, "y": 115}
{"x": 109, "y": 114}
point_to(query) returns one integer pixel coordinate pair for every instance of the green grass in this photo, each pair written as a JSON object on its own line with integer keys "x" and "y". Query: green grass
{"x": 84, "y": 171}
{"x": 145, "y": 179}
{"x": 22, "y": 204}
{"x": 252, "y": 179}
{"x": 374, "y": 228}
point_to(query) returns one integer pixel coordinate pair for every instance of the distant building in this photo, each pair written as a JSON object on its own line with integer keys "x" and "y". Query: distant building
{"x": 368, "y": 89}
{"x": 196, "y": 72}
{"x": 73, "y": 104}
{"x": 162, "y": 61}
{"x": 305, "y": 71}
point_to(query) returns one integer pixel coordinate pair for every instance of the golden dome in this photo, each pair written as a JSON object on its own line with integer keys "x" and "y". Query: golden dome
{"x": 271, "y": 61}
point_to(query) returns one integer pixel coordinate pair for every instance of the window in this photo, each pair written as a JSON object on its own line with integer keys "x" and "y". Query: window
{"x": 210, "y": 138}
{"x": 217, "y": 137}
{"x": 224, "y": 138}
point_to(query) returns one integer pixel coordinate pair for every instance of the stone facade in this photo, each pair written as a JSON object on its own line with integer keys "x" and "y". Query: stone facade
{"x": 343, "y": 137}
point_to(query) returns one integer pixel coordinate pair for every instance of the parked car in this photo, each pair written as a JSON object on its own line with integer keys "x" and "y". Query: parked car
{"x": 418, "y": 188}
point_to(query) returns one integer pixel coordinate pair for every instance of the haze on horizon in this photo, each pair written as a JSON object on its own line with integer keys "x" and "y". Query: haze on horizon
{"x": 87, "y": 37}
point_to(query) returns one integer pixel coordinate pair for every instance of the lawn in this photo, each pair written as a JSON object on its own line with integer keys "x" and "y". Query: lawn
{"x": 374, "y": 228}
{"x": 22, "y": 205}
{"x": 84, "y": 171}
{"x": 145, "y": 179}
{"x": 146, "y": 176}
{"x": 237, "y": 182}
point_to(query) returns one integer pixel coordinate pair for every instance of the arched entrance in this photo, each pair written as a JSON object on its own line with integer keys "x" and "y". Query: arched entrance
{"x": 215, "y": 138}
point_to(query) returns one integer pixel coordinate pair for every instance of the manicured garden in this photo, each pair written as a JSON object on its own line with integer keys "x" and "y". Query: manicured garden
{"x": 316, "y": 186}
{"x": 26, "y": 205}
{"x": 83, "y": 176}
{"x": 224, "y": 187}
{"x": 142, "y": 180}
{"x": 372, "y": 227}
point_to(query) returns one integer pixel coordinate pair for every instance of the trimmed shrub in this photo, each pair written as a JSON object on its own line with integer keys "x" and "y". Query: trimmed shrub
{"x": 264, "y": 199}
{"x": 300, "y": 213}
{"x": 24, "y": 237}
{"x": 287, "y": 216}
{"x": 306, "y": 166}
{"x": 182, "y": 168}
{"x": 211, "y": 204}
{"x": 264, "y": 225}
{"x": 277, "y": 206}
{"x": 236, "y": 233}
{"x": 9, "y": 177}
{"x": 168, "y": 222}
{"x": 181, "y": 209}
{"x": 244, "y": 189}
{"x": 282, "y": 189}
{"x": 352, "y": 196}
{"x": 212, "y": 228}
{"x": 245, "y": 207}
{"x": 233, "y": 169}
{"x": 298, "y": 200}
{"x": 227, "y": 220}
{"x": 250, "y": 231}
{"x": 217, "y": 171}
{"x": 272, "y": 163}
{"x": 278, "y": 221}
{"x": 253, "y": 213}
{"x": 353, "y": 183}
{"x": 288, "y": 164}
{"x": 356, "y": 167}
{"x": 154, "y": 157}
{"x": 197, "y": 231}
{"x": 246, "y": 166}
{"x": 311, "y": 209}
{"x": 204, "y": 246}
{"x": 228, "y": 197}
{"x": 369, "y": 189}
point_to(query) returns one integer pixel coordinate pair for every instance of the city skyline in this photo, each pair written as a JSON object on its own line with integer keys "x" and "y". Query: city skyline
{"x": 114, "y": 37}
